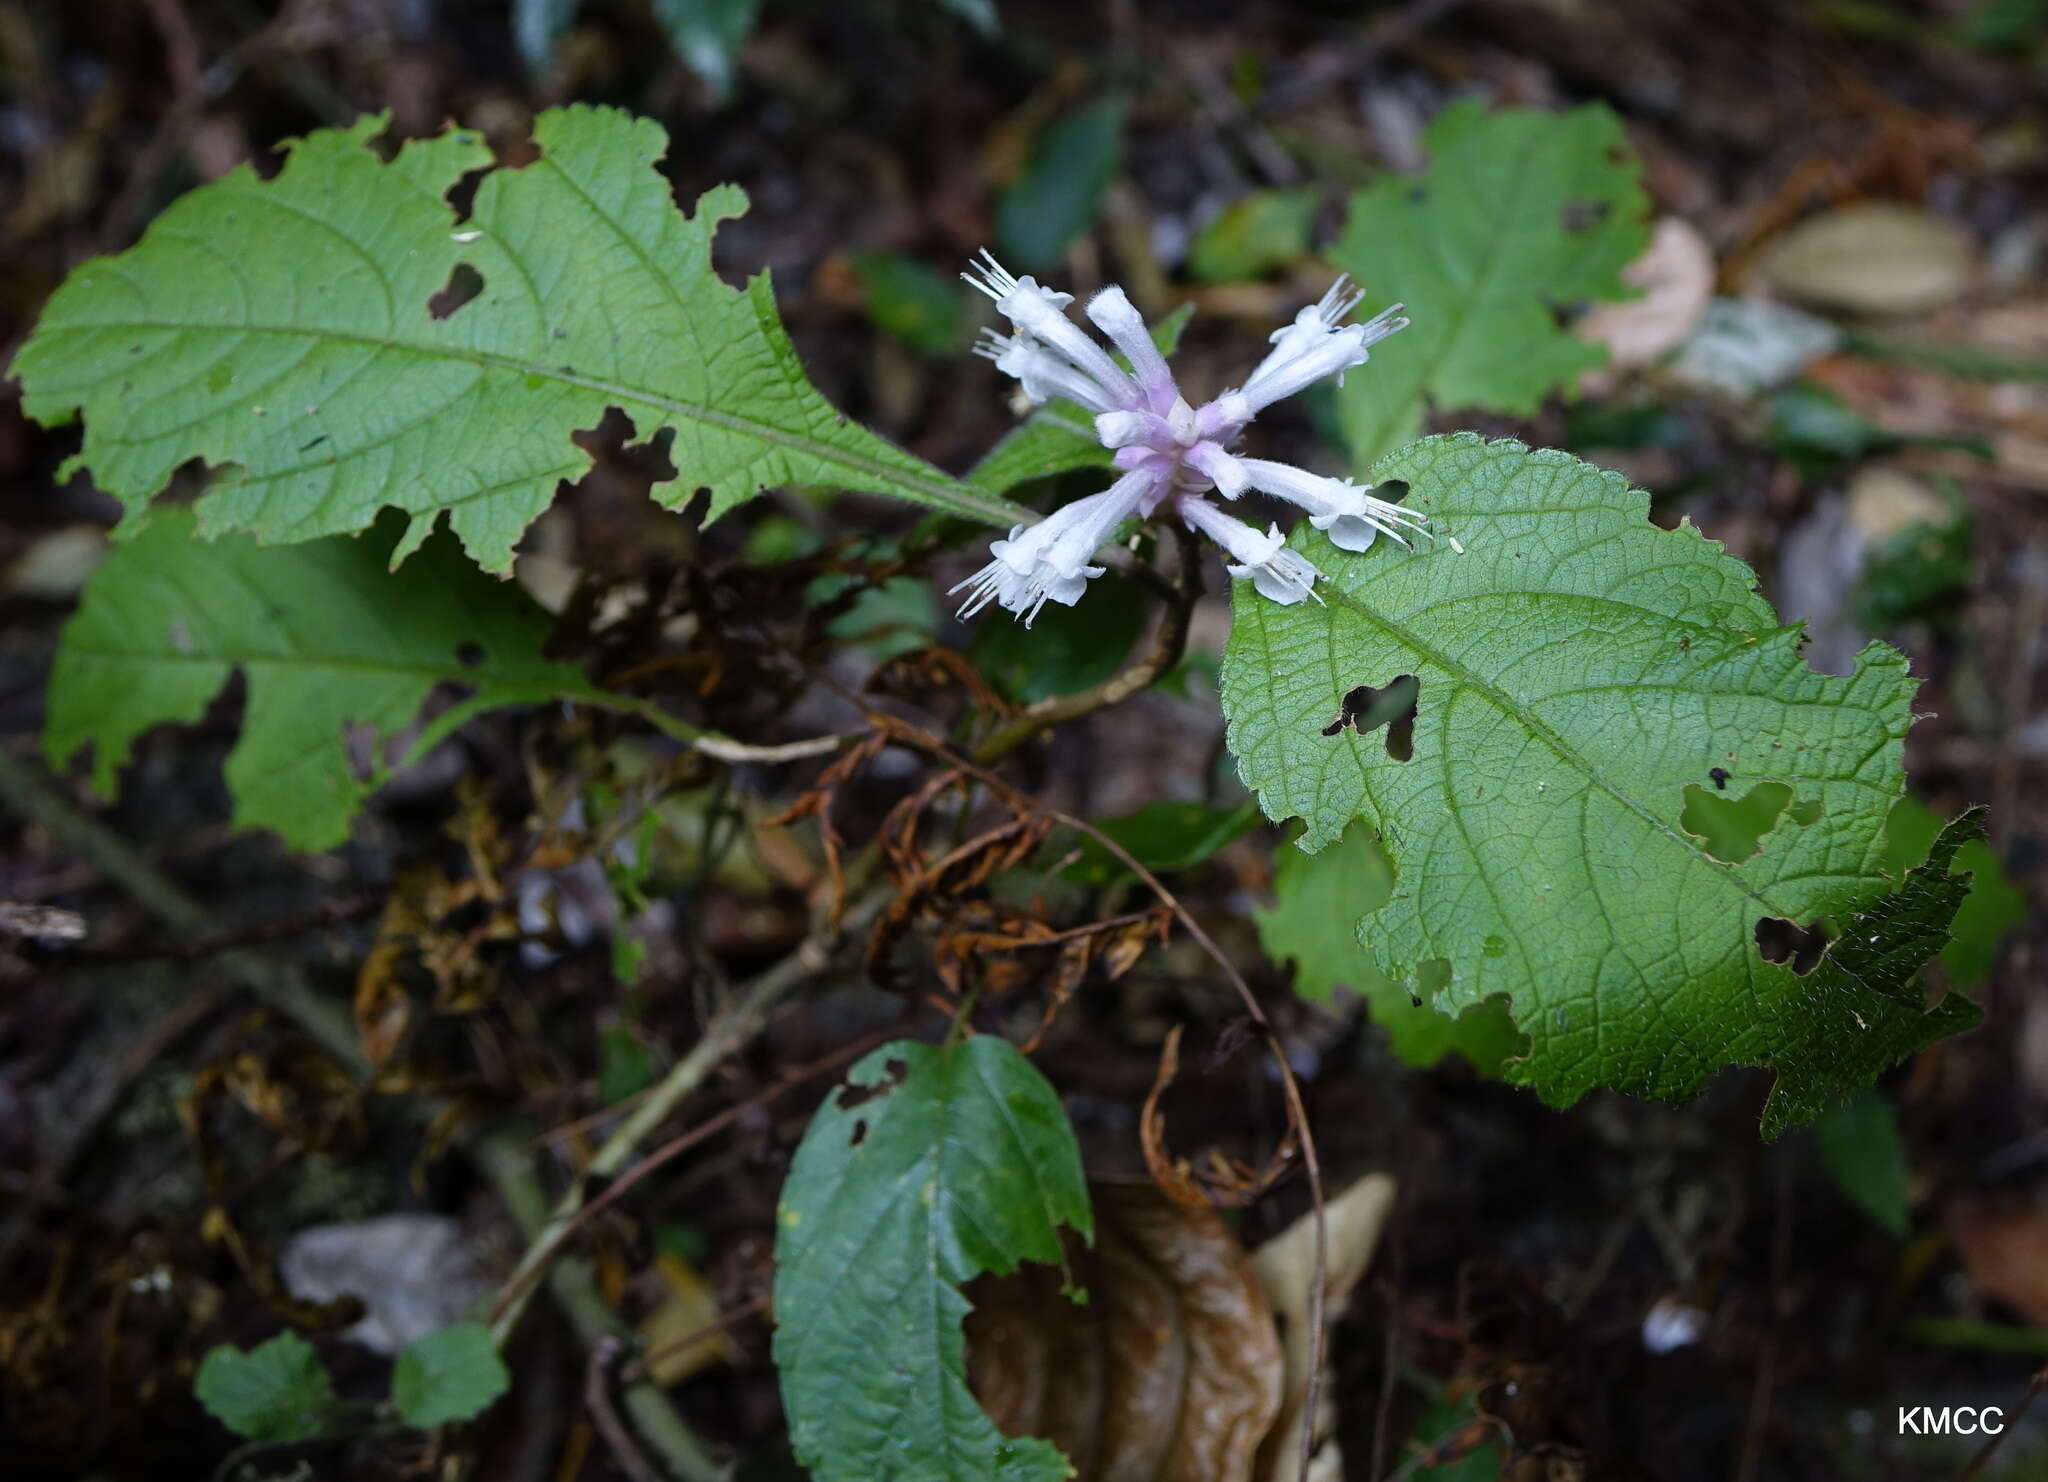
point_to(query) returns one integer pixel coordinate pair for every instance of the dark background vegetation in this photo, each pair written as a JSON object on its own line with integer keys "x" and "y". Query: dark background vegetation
{"x": 141, "y": 1084}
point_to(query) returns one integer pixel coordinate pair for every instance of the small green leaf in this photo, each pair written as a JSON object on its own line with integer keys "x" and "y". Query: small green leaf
{"x": 1864, "y": 1154}
{"x": 1067, "y": 648}
{"x": 625, "y": 1066}
{"x": 327, "y": 636}
{"x": 1916, "y": 573}
{"x": 1166, "y": 837}
{"x": 1055, "y": 199}
{"x": 898, "y": 615}
{"x": 932, "y": 1166}
{"x": 1579, "y": 669}
{"x": 1265, "y": 230}
{"x": 278, "y": 1391}
{"x": 913, "y": 300}
{"x": 288, "y": 327}
{"x": 1314, "y": 919}
{"x": 708, "y": 35}
{"x": 453, "y": 1374}
{"x": 1522, "y": 215}
{"x": 1992, "y": 908}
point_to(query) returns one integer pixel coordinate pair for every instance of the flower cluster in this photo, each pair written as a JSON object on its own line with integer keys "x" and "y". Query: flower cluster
{"x": 1172, "y": 454}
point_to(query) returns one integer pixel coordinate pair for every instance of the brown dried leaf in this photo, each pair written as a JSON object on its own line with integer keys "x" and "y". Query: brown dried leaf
{"x": 816, "y": 802}
{"x": 2005, "y": 1251}
{"x": 1225, "y": 1182}
{"x": 1172, "y": 1367}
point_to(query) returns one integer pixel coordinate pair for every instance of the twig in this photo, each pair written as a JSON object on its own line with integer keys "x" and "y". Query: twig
{"x": 26, "y": 792}
{"x": 643, "y": 1366}
{"x": 1166, "y": 651}
{"x": 726, "y": 1033}
{"x": 502, "y": 1156}
{"x": 677, "y": 1146}
{"x": 1767, "y": 1361}
{"x": 597, "y": 1396}
{"x": 1990, "y": 1448}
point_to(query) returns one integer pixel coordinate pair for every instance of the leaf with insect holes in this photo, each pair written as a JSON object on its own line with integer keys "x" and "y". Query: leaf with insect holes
{"x": 936, "y": 1164}
{"x": 298, "y": 329}
{"x": 327, "y": 637}
{"x": 1522, "y": 215}
{"x": 1584, "y": 682}
{"x": 1317, "y": 902}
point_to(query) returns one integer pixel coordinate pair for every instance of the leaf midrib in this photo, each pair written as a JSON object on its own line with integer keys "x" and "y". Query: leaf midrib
{"x": 1543, "y": 731}
{"x": 963, "y": 498}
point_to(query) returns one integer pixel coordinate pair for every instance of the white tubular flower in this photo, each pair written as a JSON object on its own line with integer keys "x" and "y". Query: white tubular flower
{"x": 1344, "y": 511}
{"x": 1228, "y": 474}
{"x": 1167, "y": 446}
{"x": 1278, "y": 574}
{"x": 1113, "y": 314}
{"x": 1313, "y": 347}
{"x": 1044, "y": 375}
{"x": 1126, "y": 429}
{"x": 1040, "y": 317}
{"x": 1048, "y": 562}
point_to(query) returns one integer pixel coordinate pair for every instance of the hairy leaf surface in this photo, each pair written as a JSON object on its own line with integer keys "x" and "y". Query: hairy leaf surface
{"x": 327, "y": 638}
{"x": 936, "y": 1165}
{"x": 1521, "y": 214}
{"x": 1317, "y": 902}
{"x": 1583, "y": 675}
{"x": 290, "y": 328}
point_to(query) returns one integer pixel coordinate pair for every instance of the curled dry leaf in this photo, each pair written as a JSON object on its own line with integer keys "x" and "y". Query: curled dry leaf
{"x": 1676, "y": 275}
{"x": 1170, "y": 1370}
{"x": 1223, "y": 1182}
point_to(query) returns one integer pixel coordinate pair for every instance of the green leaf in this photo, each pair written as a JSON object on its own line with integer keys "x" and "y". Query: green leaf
{"x": 284, "y": 327}
{"x": 1579, "y": 669}
{"x": 1314, "y": 919}
{"x": 1522, "y": 214}
{"x": 708, "y": 35}
{"x": 1265, "y": 230}
{"x": 327, "y": 637}
{"x": 625, "y": 1065}
{"x": 933, "y": 1166}
{"x": 1918, "y": 572}
{"x": 1989, "y": 912}
{"x": 1059, "y": 437}
{"x": 1864, "y": 1154}
{"x": 453, "y": 1374}
{"x": 278, "y": 1391}
{"x": 1067, "y": 648}
{"x": 913, "y": 300}
{"x": 1163, "y": 837}
{"x": 1055, "y": 199}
